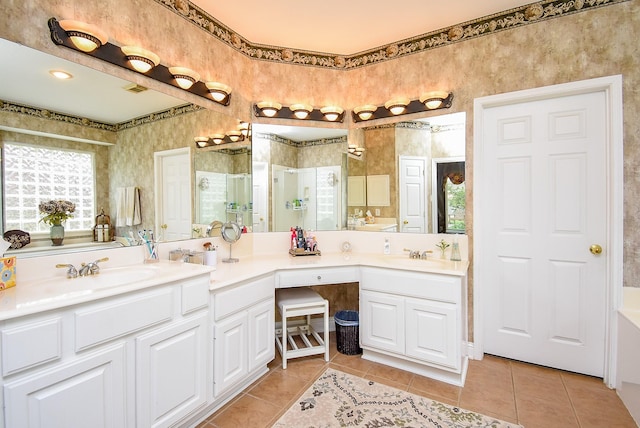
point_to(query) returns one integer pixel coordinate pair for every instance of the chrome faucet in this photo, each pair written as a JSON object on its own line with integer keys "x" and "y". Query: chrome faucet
{"x": 413, "y": 254}
{"x": 91, "y": 268}
{"x": 72, "y": 272}
{"x": 425, "y": 254}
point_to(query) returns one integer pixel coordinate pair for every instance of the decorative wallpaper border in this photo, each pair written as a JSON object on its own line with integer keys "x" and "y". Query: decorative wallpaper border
{"x": 510, "y": 19}
{"x": 10, "y": 107}
{"x": 300, "y": 144}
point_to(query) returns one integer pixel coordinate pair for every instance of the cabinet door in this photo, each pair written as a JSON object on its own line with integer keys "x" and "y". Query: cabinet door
{"x": 171, "y": 372}
{"x": 88, "y": 392}
{"x": 382, "y": 321}
{"x": 230, "y": 351}
{"x": 431, "y": 332}
{"x": 261, "y": 334}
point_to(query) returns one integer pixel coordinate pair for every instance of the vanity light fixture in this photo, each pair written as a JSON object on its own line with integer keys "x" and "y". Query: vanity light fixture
{"x": 355, "y": 150}
{"x": 201, "y": 141}
{"x": 429, "y": 101}
{"x": 397, "y": 106}
{"x": 244, "y": 128}
{"x": 234, "y": 136}
{"x": 218, "y": 91}
{"x": 133, "y": 58}
{"x": 184, "y": 77}
{"x": 217, "y": 138}
{"x": 298, "y": 111}
{"x": 332, "y": 113}
{"x": 301, "y": 111}
{"x": 365, "y": 112}
{"x": 140, "y": 59}
{"x": 433, "y": 100}
{"x": 86, "y": 37}
{"x": 268, "y": 108}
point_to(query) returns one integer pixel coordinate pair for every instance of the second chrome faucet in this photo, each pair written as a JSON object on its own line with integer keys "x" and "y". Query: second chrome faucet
{"x": 86, "y": 269}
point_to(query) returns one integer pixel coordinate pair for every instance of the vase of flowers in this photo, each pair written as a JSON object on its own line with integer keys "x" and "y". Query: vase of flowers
{"x": 443, "y": 245}
{"x": 56, "y": 212}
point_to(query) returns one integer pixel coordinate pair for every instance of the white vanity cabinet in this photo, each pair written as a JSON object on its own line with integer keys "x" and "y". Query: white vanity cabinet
{"x": 414, "y": 321}
{"x": 90, "y": 391}
{"x": 136, "y": 359}
{"x": 244, "y": 334}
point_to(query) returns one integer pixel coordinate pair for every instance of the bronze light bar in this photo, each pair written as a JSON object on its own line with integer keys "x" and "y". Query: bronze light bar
{"x": 113, "y": 54}
{"x": 287, "y": 113}
{"x": 414, "y": 106}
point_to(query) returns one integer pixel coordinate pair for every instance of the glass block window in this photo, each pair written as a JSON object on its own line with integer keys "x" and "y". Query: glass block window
{"x": 34, "y": 174}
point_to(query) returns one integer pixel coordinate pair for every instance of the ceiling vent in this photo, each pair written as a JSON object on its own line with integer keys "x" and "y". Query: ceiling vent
{"x": 135, "y": 88}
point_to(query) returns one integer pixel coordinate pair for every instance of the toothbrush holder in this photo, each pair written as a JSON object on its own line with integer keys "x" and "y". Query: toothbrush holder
{"x": 152, "y": 252}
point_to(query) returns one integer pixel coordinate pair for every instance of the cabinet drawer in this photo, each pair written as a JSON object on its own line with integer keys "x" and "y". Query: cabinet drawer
{"x": 122, "y": 316}
{"x": 195, "y": 294}
{"x": 421, "y": 285}
{"x": 232, "y": 300}
{"x": 304, "y": 277}
{"x": 30, "y": 344}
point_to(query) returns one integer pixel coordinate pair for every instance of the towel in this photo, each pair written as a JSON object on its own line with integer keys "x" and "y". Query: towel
{"x": 128, "y": 207}
{"x": 120, "y": 205}
{"x": 137, "y": 211}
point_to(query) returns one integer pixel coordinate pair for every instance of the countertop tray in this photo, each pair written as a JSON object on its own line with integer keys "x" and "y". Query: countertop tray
{"x": 300, "y": 252}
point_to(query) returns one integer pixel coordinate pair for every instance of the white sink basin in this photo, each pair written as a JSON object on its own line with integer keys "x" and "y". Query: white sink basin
{"x": 107, "y": 278}
{"x": 114, "y": 277}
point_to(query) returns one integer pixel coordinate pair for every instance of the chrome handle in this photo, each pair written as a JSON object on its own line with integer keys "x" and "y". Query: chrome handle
{"x": 595, "y": 249}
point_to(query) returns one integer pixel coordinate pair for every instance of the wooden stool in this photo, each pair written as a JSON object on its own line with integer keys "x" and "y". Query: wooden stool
{"x": 295, "y": 302}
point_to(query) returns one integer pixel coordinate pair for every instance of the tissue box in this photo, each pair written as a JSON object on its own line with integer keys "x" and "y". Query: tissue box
{"x": 8, "y": 273}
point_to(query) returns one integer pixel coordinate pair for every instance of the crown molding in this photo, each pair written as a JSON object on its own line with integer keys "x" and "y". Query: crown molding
{"x": 507, "y": 20}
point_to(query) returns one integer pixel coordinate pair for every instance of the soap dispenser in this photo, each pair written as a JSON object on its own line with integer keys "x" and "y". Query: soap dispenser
{"x": 455, "y": 250}
{"x": 387, "y": 246}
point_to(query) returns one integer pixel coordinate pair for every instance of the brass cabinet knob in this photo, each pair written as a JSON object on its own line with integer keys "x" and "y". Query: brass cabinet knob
{"x": 595, "y": 249}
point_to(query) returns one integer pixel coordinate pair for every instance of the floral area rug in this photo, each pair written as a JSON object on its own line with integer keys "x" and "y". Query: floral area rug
{"x": 338, "y": 399}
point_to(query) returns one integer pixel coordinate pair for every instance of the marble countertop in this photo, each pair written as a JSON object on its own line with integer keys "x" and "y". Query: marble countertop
{"x": 54, "y": 292}
{"x": 30, "y": 297}
{"x": 254, "y": 266}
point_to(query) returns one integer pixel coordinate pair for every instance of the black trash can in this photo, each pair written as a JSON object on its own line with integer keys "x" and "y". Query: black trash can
{"x": 347, "y": 332}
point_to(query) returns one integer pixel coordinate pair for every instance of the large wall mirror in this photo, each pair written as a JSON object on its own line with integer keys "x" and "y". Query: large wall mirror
{"x": 406, "y": 176}
{"x": 299, "y": 178}
{"x": 129, "y": 132}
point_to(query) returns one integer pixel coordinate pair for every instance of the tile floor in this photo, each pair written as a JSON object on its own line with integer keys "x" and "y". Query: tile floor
{"x": 509, "y": 390}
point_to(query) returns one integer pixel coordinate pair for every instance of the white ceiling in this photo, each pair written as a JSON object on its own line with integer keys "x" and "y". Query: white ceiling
{"x": 345, "y": 27}
{"x": 330, "y": 26}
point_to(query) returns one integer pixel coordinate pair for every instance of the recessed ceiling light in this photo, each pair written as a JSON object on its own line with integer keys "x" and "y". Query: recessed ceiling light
{"x": 62, "y": 75}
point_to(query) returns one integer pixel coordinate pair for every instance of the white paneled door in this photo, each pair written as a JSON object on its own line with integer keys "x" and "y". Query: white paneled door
{"x": 173, "y": 192}
{"x": 545, "y": 189}
{"x": 412, "y": 195}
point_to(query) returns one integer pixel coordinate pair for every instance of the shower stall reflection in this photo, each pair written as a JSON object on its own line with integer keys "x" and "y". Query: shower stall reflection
{"x": 306, "y": 197}
{"x": 223, "y": 197}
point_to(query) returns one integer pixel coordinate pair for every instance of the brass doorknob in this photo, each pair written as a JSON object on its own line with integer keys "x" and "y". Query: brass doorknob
{"x": 406, "y": 222}
{"x": 595, "y": 249}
